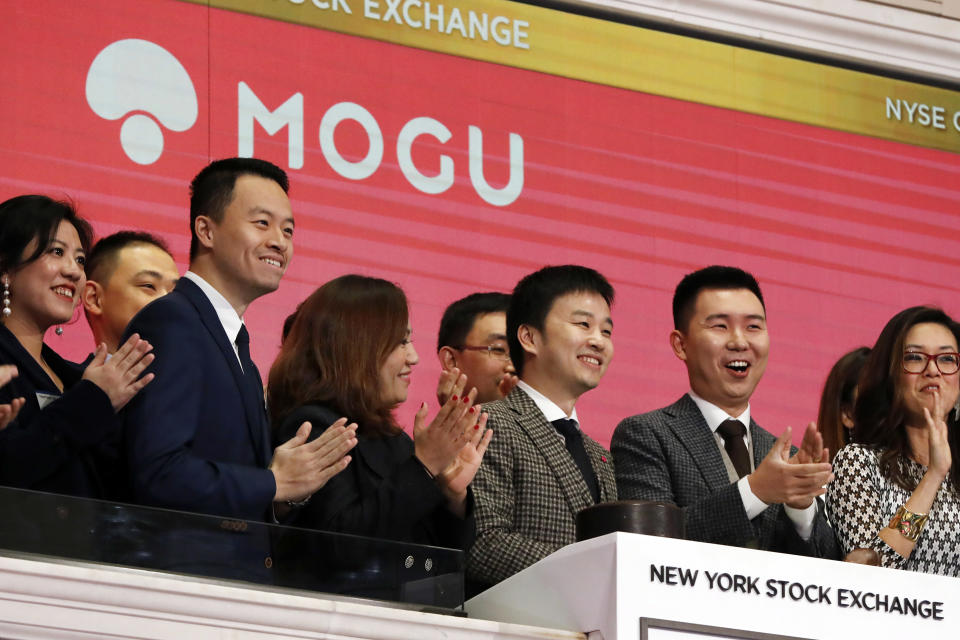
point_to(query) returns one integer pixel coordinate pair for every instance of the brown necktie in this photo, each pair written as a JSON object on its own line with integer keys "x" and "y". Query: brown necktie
{"x": 732, "y": 432}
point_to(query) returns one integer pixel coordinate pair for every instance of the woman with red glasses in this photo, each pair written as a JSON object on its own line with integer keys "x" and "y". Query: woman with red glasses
{"x": 896, "y": 488}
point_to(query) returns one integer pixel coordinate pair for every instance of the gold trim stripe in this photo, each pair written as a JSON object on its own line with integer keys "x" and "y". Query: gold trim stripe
{"x": 638, "y": 59}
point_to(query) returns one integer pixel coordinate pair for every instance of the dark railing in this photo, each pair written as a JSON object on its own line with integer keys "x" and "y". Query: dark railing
{"x": 253, "y": 552}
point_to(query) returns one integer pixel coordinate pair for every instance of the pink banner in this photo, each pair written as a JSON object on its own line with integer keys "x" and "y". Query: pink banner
{"x": 450, "y": 176}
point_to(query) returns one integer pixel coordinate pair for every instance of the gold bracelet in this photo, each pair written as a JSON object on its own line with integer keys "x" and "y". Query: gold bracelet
{"x": 909, "y": 524}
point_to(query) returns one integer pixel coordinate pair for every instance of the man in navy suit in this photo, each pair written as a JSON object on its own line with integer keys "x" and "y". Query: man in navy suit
{"x": 736, "y": 483}
{"x": 199, "y": 441}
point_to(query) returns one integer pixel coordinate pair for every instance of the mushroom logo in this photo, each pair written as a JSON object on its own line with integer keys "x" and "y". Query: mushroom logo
{"x": 145, "y": 85}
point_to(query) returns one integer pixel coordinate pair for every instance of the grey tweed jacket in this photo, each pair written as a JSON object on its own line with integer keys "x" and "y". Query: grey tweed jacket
{"x": 670, "y": 455}
{"x": 528, "y": 491}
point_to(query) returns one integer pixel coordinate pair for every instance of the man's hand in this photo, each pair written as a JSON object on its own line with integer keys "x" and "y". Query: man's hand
{"x": 778, "y": 480}
{"x": 811, "y": 448}
{"x": 507, "y": 383}
{"x": 301, "y": 468}
{"x": 120, "y": 376}
{"x": 8, "y": 412}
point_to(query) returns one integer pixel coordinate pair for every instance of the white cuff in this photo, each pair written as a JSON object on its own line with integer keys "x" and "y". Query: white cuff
{"x": 802, "y": 519}
{"x": 753, "y": 505}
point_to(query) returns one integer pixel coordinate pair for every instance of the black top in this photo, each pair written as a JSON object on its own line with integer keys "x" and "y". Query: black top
{"x": 383, "y": 493}
{"x": 59, "y": 447}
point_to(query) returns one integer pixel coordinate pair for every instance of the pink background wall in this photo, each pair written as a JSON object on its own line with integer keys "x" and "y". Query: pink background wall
{"x": 841, "y": 230}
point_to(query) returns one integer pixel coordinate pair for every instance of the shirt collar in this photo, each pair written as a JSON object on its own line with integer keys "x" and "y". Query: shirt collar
{"x": 547, "y": 406}
{"x": 714, "y": 415}
{"x": 225, "y": 312}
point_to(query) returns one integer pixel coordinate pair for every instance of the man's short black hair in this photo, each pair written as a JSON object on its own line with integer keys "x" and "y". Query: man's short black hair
{"x": 534, "y": 295}
{"x": 459, "y": 317}
{"x": 715, "y": 277}
{"x": 211, "y": 191}
{"x": 102, "y": 259}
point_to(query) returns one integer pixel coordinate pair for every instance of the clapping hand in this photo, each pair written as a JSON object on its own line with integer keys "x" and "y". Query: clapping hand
{"x": 939, "y": 447}
{"x": 451, "y": 382}
{"x": 780, "y": 479}
{"x": 437, "y": 444}
{"x": 120, "y": 376}
{"x": 303, "y": 467}
{"x": 8, "y": 412}
{"x": 455, "y": 479}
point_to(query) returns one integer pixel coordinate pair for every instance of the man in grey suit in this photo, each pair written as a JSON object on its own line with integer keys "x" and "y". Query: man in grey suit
{"x": 540, "y": 468}
{"x": 737, "y": 484}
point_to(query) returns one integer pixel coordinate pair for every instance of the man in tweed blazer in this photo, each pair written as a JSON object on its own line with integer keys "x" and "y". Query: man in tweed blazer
{"x": 530, "y": 485}
{"x": 679, "y": 454}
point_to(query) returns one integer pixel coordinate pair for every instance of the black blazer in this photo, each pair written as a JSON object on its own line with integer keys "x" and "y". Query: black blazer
{"x": 196, "y": 438}
{"x": 383, "y": 493}
{"x": 56, "y": 448}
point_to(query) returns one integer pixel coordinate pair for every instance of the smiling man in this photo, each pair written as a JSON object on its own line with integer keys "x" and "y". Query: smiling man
{"x": 200, "y": 441}
{"x": 125, "y": 271}
{"x": 473, "y": 340}
{"x": 736, "y": 483}
{"x": 540, "y": 468}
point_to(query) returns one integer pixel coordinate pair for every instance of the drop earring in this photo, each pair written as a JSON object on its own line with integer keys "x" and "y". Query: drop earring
{"x": 6, "y": 297}
{"x": 956, "y": 410}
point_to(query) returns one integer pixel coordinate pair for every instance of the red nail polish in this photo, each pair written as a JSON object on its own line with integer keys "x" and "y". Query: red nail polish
{"x": 476, "y": 426}
{"x": 473, "y": 409}
{"x": 603, "y": 458}
{"x": 454, "y": 397}
{"x": 466, "y": 399}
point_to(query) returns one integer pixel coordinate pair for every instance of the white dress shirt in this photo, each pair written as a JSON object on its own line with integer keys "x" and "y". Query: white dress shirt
{"x": 228, "y": 316}
{"x": 713, "y": 415}
{"x": 548, "y": 407}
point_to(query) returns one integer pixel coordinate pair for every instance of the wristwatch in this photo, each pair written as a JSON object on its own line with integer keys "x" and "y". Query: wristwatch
{"x": 908, "y": 523}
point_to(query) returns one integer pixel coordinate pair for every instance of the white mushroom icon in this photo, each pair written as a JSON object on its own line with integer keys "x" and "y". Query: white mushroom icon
{"x": 147, "y": 86}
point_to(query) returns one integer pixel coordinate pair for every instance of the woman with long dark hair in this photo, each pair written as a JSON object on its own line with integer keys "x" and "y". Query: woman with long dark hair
{"x": 66, "y": 412}
{"x": 348, "y": 354}
{"x": 835, "y": 418}
{"x": 896, "y": 488}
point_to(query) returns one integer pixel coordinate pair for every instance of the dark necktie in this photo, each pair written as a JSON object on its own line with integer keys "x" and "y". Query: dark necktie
{"x": 732, "y": 432}
{"x": 574, "y": 441}
{"x": 250, "y": 374}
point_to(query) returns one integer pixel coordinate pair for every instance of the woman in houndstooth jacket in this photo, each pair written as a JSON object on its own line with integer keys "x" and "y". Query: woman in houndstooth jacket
{"x": 896, "y": 487}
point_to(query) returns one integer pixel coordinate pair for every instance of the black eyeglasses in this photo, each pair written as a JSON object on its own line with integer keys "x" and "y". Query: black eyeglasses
{"x": 495, "y": 351}
{"x": 916, "y": 362}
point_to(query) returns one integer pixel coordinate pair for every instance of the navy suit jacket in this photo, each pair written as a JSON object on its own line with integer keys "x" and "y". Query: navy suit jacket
{"x": 196, "y": 438}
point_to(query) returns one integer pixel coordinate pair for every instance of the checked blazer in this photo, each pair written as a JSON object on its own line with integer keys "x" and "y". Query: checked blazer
{"x": 670, "y": 455}
{"x": 528, "y": 490}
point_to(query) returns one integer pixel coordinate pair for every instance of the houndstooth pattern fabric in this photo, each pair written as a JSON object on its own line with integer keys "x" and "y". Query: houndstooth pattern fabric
{"x": 528, "y": 490}
{"x": 670, "y": 455}
{"x": 861, "y": 501}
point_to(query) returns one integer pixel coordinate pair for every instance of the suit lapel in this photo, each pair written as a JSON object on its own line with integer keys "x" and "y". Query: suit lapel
{"x": 550, "y": 445}
{"x": 761, "y": 443}
{"x": 688, "y": 425}
{"x": 602, "y": 468}
{"x": 254, "y": 409}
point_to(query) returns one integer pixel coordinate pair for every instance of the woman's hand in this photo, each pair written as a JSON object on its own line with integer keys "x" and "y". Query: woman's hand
{"x": 8, "y": 412}
{"x": 437, "y": 444}
{"x": 451, "y": 382}
{"x": 939, "y": 453}
{"x": 120, "y": 376}
{"x": 455, "y": 479}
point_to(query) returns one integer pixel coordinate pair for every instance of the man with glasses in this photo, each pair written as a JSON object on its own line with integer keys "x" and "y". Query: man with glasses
{"x": 473, "y": 341}
{"x": 736, "y": 483}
